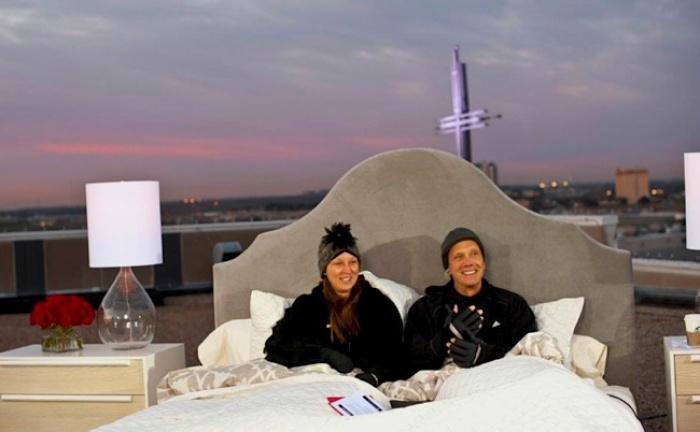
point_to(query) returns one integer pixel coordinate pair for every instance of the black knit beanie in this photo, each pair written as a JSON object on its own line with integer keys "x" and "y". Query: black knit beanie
{"x": 336, "y": 241}
{"x": 455, "y": 236}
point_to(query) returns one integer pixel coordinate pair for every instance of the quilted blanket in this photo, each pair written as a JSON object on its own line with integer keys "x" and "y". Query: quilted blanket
{"x": 421, "y": 387}
{"x": 521, "y": 393}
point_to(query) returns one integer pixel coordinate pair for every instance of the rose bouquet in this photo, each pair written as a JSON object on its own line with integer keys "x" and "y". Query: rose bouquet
{"x": 59, "y": 314}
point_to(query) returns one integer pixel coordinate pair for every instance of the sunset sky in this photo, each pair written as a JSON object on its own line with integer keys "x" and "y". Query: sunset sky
{"x": 258, "y": 97}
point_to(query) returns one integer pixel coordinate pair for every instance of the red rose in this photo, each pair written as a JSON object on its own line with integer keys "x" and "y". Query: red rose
{"x": 62, "y": 310}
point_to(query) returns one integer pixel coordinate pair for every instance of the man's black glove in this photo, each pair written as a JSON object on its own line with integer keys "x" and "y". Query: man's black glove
{"x": 473, "y": 351}
{"x": 465, "y": 353}
{"x": 465, "y": 323}
{"x": 369, "y": 378}
{"x": 438, "y": 343}
{"x": 337, "y": 360}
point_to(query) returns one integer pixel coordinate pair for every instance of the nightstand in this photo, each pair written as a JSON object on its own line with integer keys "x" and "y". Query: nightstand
{"x": 80, "y": 390}
{"x": 682, "y": 383}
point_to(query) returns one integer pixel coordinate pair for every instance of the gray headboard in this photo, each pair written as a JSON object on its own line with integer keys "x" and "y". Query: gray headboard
{"x": 401, "y": 204}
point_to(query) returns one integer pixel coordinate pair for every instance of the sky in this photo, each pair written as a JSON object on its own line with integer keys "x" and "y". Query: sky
{"x": 235, "y": 98}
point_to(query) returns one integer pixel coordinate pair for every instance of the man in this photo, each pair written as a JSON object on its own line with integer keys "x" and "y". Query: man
{"x": 467, "y": 320}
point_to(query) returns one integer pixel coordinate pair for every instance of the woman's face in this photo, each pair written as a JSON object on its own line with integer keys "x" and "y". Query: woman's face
{"x": 342, "y": 273}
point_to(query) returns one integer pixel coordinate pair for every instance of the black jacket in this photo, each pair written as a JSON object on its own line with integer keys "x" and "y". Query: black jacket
{"x": 507, "y": 318}
{"x": 303, "y": 330}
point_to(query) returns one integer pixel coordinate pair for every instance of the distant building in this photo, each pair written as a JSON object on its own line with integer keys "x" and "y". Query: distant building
{"x": 632, "y": 184}
{"x": 490, "y": 169}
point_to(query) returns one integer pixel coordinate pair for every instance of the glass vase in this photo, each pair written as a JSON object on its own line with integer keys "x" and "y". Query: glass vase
{"x": 126, "y": 318}
{"x": 59, "y": 339}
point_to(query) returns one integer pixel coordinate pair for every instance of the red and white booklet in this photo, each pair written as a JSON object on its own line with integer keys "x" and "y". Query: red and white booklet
{"x": 358, "y": 403}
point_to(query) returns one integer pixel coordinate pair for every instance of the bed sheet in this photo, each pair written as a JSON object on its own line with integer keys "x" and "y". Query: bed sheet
{"x": 515, "y": 393}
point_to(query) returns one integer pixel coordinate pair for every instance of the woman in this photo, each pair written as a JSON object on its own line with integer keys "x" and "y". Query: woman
{"x": 344, "y": 321}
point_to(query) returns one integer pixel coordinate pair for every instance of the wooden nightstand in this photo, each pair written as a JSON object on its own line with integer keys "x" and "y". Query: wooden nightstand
{"x": 682, "y": 383}
{"x": 80, "y": 390}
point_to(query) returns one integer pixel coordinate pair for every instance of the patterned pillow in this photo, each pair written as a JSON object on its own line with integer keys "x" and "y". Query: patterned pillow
{"x": 197, "y": 378}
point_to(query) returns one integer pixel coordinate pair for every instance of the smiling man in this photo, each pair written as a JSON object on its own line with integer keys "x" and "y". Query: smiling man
{"x": 468, "y": 320}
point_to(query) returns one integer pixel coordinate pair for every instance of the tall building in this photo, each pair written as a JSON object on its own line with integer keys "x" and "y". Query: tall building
{"x": 490, "y": 169}
{"x": 632, "y": 184}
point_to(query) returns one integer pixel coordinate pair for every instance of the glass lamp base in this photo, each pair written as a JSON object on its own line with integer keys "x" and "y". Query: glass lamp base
{"x": 126, "y": 318}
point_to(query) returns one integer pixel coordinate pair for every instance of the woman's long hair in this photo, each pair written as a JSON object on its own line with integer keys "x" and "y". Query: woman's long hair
{"x": 343, "y": 319}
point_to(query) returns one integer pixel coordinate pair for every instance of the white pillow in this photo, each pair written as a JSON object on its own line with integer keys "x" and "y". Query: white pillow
{"x": 265, "y": 310}
{"x": 402, "y": 296}
{"x": 589, "y": 358}
{"x": 228, "y": 344}
{"x": 559, "y": 318}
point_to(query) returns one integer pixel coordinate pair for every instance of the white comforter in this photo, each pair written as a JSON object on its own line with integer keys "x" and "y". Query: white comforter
{"x": 516, "y": 393}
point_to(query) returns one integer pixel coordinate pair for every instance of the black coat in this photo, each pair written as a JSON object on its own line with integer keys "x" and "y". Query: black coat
{"x": 304, "y": 329}
{"x": 507, "y": 318}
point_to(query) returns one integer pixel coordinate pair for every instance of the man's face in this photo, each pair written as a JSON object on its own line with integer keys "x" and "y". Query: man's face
{"x": 466, "y": 265}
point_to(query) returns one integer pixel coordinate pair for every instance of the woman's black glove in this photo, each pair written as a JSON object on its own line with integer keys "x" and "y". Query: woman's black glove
{"x": 369, "y": 378}
{"x": 337, "y": 360}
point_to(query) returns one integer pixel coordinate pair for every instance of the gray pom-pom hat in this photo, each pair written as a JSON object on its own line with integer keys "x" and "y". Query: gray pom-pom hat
{"x": 337, "y": 240}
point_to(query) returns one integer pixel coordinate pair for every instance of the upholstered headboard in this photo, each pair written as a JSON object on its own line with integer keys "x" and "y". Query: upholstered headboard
{"x": 401, "y": 204}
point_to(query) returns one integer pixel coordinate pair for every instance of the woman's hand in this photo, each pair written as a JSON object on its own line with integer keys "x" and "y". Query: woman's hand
{"x": 337, "y": 360}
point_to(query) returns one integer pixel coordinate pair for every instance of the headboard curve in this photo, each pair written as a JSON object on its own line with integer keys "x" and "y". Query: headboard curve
{"x": 401, "y": 204}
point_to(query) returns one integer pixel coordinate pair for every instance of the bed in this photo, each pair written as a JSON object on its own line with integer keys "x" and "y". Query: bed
{"x": 576, "y": 373}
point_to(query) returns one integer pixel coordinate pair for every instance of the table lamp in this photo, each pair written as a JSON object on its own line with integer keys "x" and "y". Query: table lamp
{"x": 692, "y": 207}
{"x": 124, "y": 230}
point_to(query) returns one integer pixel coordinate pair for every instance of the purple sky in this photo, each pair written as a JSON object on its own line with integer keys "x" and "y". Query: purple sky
{"x": 258, "y": 97}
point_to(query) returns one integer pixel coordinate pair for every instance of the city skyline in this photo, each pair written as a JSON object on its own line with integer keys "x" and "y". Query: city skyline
{"x": 270, "y": 98}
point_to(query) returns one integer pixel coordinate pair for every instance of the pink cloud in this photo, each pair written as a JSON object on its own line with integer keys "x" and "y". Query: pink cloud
{"x": 189, "y": 148}
{"x": 129, "y": 150}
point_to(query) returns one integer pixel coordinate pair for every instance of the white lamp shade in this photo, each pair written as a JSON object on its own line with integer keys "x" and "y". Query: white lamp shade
{"x": 692, "y": 200}
{"x": 123, "y": 221}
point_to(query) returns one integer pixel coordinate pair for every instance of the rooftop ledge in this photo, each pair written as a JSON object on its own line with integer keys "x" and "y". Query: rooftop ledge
{"x": 655, "y": 274}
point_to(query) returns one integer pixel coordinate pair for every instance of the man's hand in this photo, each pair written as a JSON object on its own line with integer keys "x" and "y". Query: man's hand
{"x": 466, "y": 323}
{"x": 464, "y": 353}
{"x": 470, "y": 318}
{"x": 337, "y": 360}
